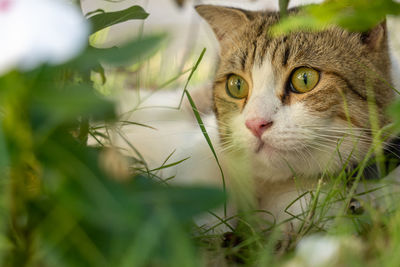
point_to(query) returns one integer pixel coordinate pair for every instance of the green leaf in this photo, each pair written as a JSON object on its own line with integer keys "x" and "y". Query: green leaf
{"x": 354, "y": 15}
{"x": 130, "y": 53}
{"x": 104, "y": 20}
{"x": 283, "y": 5}
{"x": 201, "y": 124}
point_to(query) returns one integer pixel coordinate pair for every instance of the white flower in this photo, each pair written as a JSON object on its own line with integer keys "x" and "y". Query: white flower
{"x": 326, "y": 250}
{"x": 33, "y": 32}
{"x": 318, "y": 250}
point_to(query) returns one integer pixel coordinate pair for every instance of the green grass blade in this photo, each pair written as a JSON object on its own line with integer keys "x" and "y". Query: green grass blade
{"x": 201, "y": 124}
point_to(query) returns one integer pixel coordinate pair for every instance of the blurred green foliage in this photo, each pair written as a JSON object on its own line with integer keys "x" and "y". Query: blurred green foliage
{"x": 100, "y": 19}
{"x": 355, "y": 15}
{"x": 59, "y": 205}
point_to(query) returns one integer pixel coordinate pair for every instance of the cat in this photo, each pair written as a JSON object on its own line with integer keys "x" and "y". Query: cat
{"x": 295, "y": 106}
{"x": 286, "y": 111}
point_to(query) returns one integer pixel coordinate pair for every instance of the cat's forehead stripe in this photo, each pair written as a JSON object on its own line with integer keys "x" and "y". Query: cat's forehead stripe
{"x": 286, "y": 56}
{"x": 279, "y": 44}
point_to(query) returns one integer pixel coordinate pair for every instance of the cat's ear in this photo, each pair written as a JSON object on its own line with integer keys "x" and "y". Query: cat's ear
{"x": 375, "y": 38}
{"x": 223, "y": 20}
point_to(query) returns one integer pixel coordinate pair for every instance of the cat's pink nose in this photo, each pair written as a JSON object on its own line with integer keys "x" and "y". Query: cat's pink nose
{"x": 258, "y": 126}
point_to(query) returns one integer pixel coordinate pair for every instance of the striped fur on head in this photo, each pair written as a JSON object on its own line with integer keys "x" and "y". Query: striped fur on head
{"x": 311, "y": 132}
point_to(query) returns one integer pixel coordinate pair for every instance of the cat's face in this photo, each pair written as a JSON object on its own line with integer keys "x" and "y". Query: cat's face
{"x": 297, "y": 102}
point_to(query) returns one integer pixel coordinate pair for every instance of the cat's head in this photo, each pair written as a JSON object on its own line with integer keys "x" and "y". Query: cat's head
{"x": 297, "y": 102}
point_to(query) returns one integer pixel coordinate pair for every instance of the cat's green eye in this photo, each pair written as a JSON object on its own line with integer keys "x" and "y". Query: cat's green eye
{"x": 237, "y": 87}
{"x": 304, "y": 80}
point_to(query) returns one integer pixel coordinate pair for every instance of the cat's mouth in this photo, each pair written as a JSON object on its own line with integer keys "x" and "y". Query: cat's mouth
{"x": 263, "y": 146}
{"x": 259, "y": 147}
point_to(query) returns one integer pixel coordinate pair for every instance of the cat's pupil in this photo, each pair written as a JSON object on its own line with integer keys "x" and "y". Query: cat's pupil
{"x": 305, "y": 78}
{"x": 238, "y": 84}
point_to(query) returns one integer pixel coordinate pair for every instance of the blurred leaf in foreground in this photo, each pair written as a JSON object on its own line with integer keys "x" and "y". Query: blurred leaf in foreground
{"x": 107, "y": 19}
{"x": 130, "y": 53}
{"x": 79, "y": 215}
{"x": 354, "y": 15}
{"x": 283, "y": 5}
{"x": 135, "y": 222}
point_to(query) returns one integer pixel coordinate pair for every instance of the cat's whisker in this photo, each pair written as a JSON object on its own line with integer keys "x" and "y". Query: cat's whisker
{"x": 226, "y": 145}
{"x": 333, "y": 155}
{"x": 309, "y": 157}
{"x": 357, "y": 140}
{"x": 306, "y": 159}
{"x": 313, "y": 157}
{"x": 344, "y": 128}
{"x": 322, "y": 147}
{"x": 337, "y": 139}
{"x": 352, "y": 130}
{"x": 317, "y": 146}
